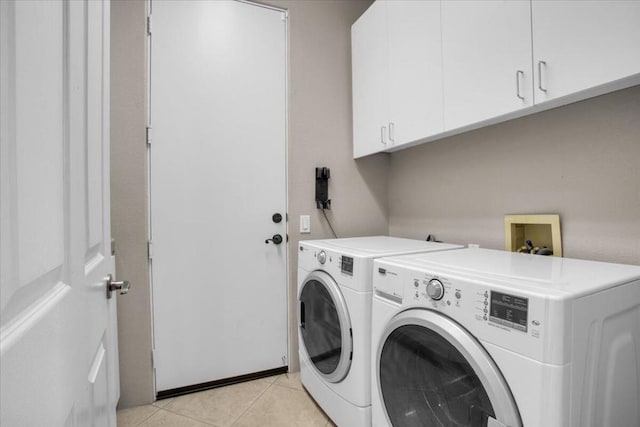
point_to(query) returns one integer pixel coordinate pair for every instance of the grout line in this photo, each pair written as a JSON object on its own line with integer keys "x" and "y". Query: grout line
{"x": 190, "y": 417}
{"x": 142, "y": 420}
{"x": 252, "y": 403}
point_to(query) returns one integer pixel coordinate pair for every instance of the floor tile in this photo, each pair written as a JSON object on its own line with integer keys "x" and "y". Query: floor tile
{"x": 270, "y": 379}
{"x": 134, "y": 416}
{"x": 164, "y": 418}
{"x": 162, "y": 402}
{"x": 219, "y": 406}
{"x": 291, "y": 380}
{"x": 283, "y": 406}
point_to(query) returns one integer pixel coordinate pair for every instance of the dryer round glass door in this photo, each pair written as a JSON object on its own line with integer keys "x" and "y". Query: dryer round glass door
{"x": 324, "y": 326}
{"x": 431, "y": 372}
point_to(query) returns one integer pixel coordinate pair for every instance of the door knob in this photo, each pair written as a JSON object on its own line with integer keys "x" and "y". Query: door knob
{"x": 122, "y": 286}
{"x": 276, "y": 239}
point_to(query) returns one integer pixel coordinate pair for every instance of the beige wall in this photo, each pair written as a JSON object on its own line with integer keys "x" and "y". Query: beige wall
{"x": 129, "y": 197}
{"x": 319, "y": 134}
{"x": 581, "y": 161}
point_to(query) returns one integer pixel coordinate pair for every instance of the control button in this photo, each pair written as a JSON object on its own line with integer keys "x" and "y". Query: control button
{"x": 322, "y": 257}
{"x": 458, "y": 295}
{"x": 416, "y": 283}
{"x": 417, "y": 294}
{"x": 435, "y": 289}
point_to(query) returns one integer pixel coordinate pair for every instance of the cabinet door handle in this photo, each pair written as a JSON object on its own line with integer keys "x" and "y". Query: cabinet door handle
{"x": 519, "y": 76}
{"x": 540, "y": 64}
{"x": 383, "y": 130}
{"x": 391, "y": 137}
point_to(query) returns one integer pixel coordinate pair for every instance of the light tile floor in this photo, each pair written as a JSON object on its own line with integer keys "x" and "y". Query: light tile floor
{"x": 277, "y": 401}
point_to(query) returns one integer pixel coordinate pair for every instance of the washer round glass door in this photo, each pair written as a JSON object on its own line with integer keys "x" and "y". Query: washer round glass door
{"x": 324, "y": 326}
{"x": 432, "y": 372}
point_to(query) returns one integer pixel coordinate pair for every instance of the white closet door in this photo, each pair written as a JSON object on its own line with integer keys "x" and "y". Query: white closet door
{"x": 58, "y": 351}
{"x": 486, "y": 48}
{"x": 218, "y": 110}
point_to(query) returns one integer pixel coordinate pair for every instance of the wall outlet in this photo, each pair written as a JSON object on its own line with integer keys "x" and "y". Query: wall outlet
{"x": 305, "y": 224}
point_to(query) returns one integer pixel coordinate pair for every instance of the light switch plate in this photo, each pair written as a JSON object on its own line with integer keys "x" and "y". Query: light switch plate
{"x": 305, "y": 224}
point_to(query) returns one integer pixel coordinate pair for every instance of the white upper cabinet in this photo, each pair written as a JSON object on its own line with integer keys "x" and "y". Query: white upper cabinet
{"x": 397, "y": 75}
{"x": 369, "y": 69}
{"x": 424, "y": 70}
{"x": 578, "y": 45}
{"x": 486, "y": 50}
{"x": 415, "y": 70}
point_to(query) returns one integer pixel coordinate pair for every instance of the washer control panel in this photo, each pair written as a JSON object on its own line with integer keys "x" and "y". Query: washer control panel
{"x": 435, "y": 290}
{"x": 496, "y": 312}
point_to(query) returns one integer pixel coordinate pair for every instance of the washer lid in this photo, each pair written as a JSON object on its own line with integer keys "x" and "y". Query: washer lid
{"x": 543, "y": 275}
{"x": 378, "y": 246}
{"x": 432, "y": 372}
{"x": 324, "y": 326}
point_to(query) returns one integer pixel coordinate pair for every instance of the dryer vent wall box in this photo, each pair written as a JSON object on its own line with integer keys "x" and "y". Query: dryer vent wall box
{"x": 322, "y": 188}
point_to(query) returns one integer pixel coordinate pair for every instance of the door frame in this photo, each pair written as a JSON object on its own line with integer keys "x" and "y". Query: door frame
{"x": 149, "y": 138}
{"x": 498, "y": 391}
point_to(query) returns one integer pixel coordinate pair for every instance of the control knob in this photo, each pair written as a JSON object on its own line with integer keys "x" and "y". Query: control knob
{"x": 322, "y": 257}
{"x": 435, "y": 290}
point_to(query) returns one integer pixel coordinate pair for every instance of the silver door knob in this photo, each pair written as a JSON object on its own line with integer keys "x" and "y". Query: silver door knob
{"x": 122, "y": 286}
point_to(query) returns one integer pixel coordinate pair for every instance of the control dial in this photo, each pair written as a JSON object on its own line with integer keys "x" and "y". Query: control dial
{"x": 435, "y": 290}
{"x": 322, "y": 257}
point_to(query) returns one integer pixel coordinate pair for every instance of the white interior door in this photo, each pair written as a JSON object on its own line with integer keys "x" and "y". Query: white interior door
{"x": 58, "y": 353}
{"x": 217, "y": 161}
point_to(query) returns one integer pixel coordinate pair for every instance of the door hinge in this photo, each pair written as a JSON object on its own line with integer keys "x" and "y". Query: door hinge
{"x": 150, "y": 249}
{"x": 153, "y": 358}
{"x": 149, "y": 25}
{"x": 113, "y": 247}
{"x": 149, "y": 135}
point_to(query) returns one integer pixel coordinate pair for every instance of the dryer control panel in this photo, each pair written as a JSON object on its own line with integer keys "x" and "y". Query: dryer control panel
{"x": 350, "y": 271}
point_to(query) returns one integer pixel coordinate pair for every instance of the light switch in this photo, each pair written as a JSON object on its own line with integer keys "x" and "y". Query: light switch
{"x": 305, "y": 224}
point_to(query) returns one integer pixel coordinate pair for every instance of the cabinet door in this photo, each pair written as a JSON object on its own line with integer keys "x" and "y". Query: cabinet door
{"x": 369, "y": 55}
{"x": 486, "y": 49}
{"x": 581, "y": 44}
{"x": 415, "y": 70}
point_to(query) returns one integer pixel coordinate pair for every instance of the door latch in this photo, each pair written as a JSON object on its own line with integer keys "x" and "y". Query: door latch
{"x": 122, "y": 286}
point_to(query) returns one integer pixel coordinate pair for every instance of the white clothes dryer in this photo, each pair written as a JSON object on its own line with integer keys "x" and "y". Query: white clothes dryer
{"x": 479, "y": 337}
{"x": 334, "y": 320}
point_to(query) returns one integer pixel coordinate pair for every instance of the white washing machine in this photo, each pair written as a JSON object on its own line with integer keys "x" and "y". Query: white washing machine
{"x": 478, "y": 337}
{"x": 334, "y": 320}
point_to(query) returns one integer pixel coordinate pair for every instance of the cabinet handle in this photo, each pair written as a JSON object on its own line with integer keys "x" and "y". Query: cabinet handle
{"x": 383, "y": 130}
{"x": 540, "y": 64}
{"x": 391, "y": 137}
{"x": 519, "y": 75}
